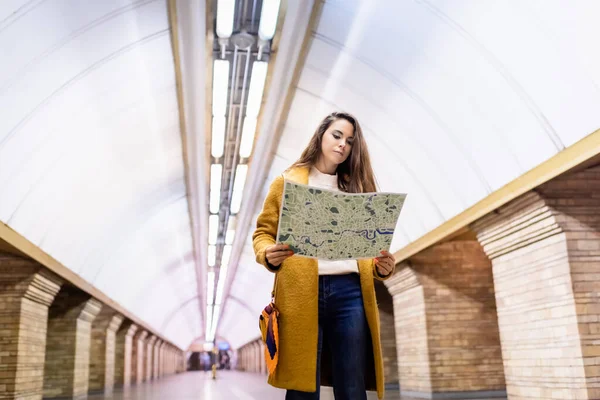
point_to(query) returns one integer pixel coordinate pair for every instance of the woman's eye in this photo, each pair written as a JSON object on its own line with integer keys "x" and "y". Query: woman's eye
{"x": 336, "y": 136}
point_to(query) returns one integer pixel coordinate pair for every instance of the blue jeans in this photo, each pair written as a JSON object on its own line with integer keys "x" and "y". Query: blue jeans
{"x": 343, "y": 328}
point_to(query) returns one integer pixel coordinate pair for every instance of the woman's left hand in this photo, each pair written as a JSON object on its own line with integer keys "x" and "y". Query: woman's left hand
{"x": 385, "y": 263}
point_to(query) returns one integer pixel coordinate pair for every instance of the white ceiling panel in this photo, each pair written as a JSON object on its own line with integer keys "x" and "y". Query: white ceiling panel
{"x": 90, "y": 151}
{"x": 453, "y": 104}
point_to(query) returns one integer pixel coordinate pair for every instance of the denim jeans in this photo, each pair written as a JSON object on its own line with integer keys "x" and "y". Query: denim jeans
{"x": 343, "y": 328}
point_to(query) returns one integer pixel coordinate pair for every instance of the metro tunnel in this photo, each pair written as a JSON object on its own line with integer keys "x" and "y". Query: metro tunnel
{"x": 145, "y": 146}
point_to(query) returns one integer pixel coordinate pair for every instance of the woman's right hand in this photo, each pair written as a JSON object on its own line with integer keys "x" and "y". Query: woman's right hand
{"x": 277, "y": 253}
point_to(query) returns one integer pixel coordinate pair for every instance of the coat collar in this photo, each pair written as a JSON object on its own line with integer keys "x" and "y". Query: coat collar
{"x": 297, "y": 174}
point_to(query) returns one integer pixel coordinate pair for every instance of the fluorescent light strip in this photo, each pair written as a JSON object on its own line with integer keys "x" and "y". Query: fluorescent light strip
{"x": 229, "y": 236}
{"x": 220, "y": 86}
{"x": 238, "y": 188}
{"x": 209, "y": 318}
{"x": 215, "y": 321}
{"x": 221, "y": 284}
{"x": 218, "y": 136}
{"x": 248, "y": 133}
{"x": 212, "y": 255}
{"x": 268, "y": 19}
{"x": 215, "y": 187}
{"x": 210, "y": 285}
{"x": 225, "y": 12}
{"x": 223, "y": 273}
{"x": 213, "y": 229}
{"x": 226, "y": 255}
{"x": 257, "y": 86}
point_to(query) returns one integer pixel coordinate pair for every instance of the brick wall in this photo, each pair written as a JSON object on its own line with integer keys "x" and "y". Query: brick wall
{"x": 66, "y": 370}
{"x": 385, "y": 303}
{"x": 123, "y": 353}
{"x": 545, "y": 250}
{"x": 26, "y": 292}
{"x": 137, "y": 357}
{"x": 156, "y": 358}
{"x": 411, "y": 330}
{"x": 148, "y": 357}
{"x": 102, "y": 351}
{"x": 447, "y": 329}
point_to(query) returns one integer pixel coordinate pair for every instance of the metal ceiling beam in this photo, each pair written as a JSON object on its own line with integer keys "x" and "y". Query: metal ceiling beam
{"x": 285, "y": 67}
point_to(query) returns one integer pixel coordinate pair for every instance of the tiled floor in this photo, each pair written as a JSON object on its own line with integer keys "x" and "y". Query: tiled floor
{"x": 229, "y": 385}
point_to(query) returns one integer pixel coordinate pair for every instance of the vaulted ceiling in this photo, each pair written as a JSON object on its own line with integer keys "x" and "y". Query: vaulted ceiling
{"x": 104, "y": 157}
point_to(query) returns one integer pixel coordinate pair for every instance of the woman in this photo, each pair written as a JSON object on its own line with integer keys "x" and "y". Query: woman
{"x": 329, "y": 321}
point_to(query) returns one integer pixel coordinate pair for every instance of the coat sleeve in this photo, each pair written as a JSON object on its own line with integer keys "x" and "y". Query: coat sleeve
{"x": 267, "y": 223}
{"x": 380, "y": 277}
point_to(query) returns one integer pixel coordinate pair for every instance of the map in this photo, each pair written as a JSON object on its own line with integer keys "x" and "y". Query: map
{"x": 331, "y": 225}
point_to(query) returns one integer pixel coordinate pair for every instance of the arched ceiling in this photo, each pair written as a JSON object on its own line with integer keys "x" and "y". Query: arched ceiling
{"x": 456, "y": 99}
{"x": 91, "y": 165}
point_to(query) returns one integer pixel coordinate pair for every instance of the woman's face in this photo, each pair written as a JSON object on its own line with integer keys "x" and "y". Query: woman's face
{"x": 337, "y": 142}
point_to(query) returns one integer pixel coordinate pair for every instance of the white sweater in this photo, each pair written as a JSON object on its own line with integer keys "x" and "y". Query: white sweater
{"x": 326, "y": 267}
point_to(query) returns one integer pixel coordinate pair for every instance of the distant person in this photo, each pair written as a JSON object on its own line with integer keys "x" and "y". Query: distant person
{"x": 329, "y": 321}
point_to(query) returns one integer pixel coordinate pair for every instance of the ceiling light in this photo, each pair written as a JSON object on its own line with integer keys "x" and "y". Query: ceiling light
{"x": 230, "y": 230}
{"x": 248, "y": 132}
{"x": 218, "y": 136}
{"x": 209, "y": 315}
{"x": 238, "y": 188}
{"x": 257, "y": 86}
{"x": 268, "y": 19}
{"x": 215, "y": 187}
{"x": 215, "y": 321}
{"x": 212, "y": 255}
{"x": 221, "y": 284}
{"x": 210, "y": 284}
{"x": 226, "y": 255}
{"x": 225, "y": 12}
{"x": 213, "y": 229}
{"x": 220, "y": 87}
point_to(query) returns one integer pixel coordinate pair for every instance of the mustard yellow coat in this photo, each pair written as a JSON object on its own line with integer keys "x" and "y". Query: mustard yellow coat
{"x": 297, "y": 298}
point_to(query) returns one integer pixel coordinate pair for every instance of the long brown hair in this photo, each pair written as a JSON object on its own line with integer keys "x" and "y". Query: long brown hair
{"x": 355, "y": 174}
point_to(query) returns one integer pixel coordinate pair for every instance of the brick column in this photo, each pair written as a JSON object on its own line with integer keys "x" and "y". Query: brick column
{"x": 385, "y": 303}
{"x": 26, "y": 292}
{"x": 124, "y": 353}
{"x": 182, "y": 362}
{"x": 173, "y": 357}
{"x": 102, "y": 353}
{"x": 161, "y": 359}
{"x": 156, "y": 359}
{"x": 172, "y": 361}
{"x": 446, "y": 326}
{"x": 165, "y": 359}
{"x": 545, "y": 251}
{"x": 148, "y": 358}
{"x": 137, "y": 357}
{"x": 66, "y": 370}
{"x": 168, "y": 358}
{"x": 263, "y": 363}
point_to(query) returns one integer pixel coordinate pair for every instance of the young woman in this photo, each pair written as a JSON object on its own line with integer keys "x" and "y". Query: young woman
{"x": 329, "y": 321}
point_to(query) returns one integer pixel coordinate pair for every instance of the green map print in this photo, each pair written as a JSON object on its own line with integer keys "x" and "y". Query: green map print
{"x": 326, "y": 224}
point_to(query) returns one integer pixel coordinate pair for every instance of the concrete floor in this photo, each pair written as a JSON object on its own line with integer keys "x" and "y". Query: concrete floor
{"x": 229, "y": 385}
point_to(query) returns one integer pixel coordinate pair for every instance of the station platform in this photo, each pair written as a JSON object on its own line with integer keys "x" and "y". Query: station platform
{"x": 229, "y": 385}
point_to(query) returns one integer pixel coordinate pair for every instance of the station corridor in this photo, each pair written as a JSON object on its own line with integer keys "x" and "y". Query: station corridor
{"x": 402, "y": 196}
{"x": 227, "y": 385}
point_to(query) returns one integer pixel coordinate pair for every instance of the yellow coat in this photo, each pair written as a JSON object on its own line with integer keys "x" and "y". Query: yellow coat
{"x": 296, "y": 297}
